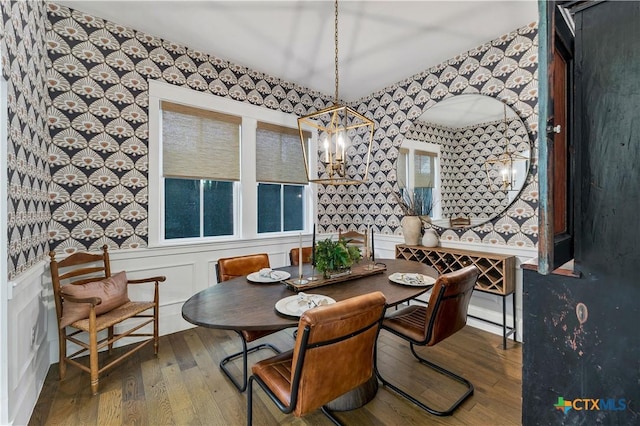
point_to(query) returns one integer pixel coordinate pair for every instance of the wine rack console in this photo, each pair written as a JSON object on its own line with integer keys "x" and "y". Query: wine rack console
{"x": 497, "y": 272}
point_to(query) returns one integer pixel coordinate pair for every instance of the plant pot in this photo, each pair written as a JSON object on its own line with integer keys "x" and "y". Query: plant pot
{"x": 411, "y": 230}
{"x": 336, "y": 274}
{"x": 335, "y": 257}
{"x": 430, "y": 238}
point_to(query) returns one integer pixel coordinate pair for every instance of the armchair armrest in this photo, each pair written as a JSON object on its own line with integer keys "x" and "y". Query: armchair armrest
{"x": 94, "y": 301}
{"x": 159, "y": 279}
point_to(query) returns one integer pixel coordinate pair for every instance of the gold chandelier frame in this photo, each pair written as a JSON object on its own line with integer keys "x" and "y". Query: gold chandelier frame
{"x": 505, "y": 161}
{"x": 335, "y": 125}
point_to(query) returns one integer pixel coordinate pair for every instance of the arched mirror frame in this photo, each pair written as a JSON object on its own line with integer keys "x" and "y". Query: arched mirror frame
{"x": 483, "y": 110}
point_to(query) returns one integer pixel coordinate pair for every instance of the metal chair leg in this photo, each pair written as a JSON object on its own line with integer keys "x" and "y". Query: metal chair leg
{"x": 440, "y": 370}
{"x": 327, "y": 412}
{"x": 244, "y": 353}
{"x": 250, "y": 403}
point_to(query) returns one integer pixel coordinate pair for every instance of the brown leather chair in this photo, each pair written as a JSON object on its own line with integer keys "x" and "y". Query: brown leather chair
{"x": 307, "y": 255}
{"x": 89, "y": 300}
{"x": 233, "y": 267}
{"x": 240, "y": 266}
{"x": 339, "y": 339}
{"x": 445, "y": 315}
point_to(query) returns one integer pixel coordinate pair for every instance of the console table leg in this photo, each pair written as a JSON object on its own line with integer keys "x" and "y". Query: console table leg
{"x": 515, "y": 330}
{"x": 504, "y": 323}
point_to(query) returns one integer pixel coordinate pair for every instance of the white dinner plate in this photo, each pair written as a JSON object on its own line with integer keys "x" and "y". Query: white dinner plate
{"x": 274, "y": 277}
{"x": 412, "y": 279}
{"x": 296, "y": 305}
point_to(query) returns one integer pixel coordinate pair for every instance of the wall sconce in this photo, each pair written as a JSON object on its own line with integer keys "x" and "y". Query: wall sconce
{"x": 336, "y": 126}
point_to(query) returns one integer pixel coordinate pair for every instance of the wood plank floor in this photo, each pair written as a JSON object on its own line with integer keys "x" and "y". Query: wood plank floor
{"x": 184, "y": 386}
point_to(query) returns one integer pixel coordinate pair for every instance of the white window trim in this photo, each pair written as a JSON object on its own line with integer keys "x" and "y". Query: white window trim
{"x": 245, "y": 210}
{"x": 412, "y": 146}
{"x": 5, "y": 286}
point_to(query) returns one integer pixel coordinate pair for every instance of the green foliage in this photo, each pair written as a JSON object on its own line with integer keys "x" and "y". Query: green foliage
{"x": 335, "y": 255}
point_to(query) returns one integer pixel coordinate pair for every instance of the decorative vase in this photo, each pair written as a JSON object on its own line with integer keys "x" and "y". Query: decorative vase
{"x": 411, "y": 230}
{"x": 430, "y": 238}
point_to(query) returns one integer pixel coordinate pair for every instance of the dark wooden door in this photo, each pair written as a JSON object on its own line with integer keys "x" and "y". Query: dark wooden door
{"x": 581, "y": 336}
{"x": 555, "y": 165}
{"x": 561, "y": 130}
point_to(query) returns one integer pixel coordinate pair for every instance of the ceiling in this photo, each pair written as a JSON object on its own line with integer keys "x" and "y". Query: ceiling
{"x": 380, "y": 42}
{"x": 466, "y": 110}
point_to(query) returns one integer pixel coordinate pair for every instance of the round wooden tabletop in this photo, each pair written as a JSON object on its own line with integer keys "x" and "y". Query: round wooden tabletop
{"x": 238, "y": 304}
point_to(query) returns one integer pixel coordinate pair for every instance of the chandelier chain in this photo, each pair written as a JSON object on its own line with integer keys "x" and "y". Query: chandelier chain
{"x": 336, "y": 48}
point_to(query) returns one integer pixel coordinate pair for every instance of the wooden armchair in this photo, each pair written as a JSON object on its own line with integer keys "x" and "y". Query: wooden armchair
{"x": 89, "y": 300}
{"x": 460, "y": 222}
{"x": 354, "y": 238}
{"x": 360, "y": 240}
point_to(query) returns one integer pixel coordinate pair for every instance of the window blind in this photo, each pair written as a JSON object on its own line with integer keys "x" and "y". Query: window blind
{"x": 424, "y": 169}
{"x": 279, "y": 157}
{"x": 200, "y": 144}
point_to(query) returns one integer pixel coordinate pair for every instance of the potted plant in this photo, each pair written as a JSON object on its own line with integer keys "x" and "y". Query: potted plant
{"x": 333, "y": 257}
{"x": 411, "y": 223}
{"x": 417, "y": 211}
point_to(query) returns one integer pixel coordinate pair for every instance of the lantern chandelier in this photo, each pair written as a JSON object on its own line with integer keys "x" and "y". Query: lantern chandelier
{"x": 337, "y": 126}
{"x": 501, "y": 171}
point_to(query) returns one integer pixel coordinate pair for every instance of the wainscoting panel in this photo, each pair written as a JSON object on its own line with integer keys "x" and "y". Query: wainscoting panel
{"x": 28, "y": 351}
{"x": 188, "y": 269}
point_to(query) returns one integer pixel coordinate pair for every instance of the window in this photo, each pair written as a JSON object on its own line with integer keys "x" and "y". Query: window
{"x": 280, "y": 207}
{"x": 417, "y": 173}
{"x": 184, "y": 217}
{"x": 281, "y": 175}
{"x": 221, "y": 169}
{"x": 424, "y": 178}
{"x": 201, "y": 160}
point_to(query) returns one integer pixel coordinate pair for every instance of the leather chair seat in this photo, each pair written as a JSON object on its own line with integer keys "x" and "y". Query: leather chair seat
{"x": 409, "y": 322}
{"x": 276, "y": 374}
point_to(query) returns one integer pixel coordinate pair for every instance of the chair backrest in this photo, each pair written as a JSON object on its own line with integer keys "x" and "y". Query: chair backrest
{"x": 334, "y": 350}
{"x": 78, "y": 268}
{"x": 294, "y": 255}
{"x": 354, "y": 238}
{"x": 448, "y": 304}
{"x": 239, "y": 266}
{"x": 460, "y": 221}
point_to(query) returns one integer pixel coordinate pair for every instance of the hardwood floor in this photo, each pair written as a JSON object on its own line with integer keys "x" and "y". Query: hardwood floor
{"x": 184, "y": 386}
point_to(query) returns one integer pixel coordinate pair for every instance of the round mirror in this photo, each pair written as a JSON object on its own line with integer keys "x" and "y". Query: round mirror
{"x": 464, "y": 160}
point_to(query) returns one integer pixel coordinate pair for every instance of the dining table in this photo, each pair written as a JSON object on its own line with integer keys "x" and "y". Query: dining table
{"x": 244, "y": 304}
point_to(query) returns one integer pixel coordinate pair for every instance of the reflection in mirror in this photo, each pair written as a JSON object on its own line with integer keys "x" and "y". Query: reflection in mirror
{"x": 464, "y": 160}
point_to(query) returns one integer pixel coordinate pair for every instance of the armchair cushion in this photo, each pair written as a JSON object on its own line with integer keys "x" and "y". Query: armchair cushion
{"x": 112, "y": 291}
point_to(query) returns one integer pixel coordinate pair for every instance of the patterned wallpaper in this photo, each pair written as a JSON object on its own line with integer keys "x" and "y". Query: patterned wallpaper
{"x": 465, "y": 189}
{"x": 24, "y": 56}
{"x": 98, "y": 85}
{"x": 505, "y": 68}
